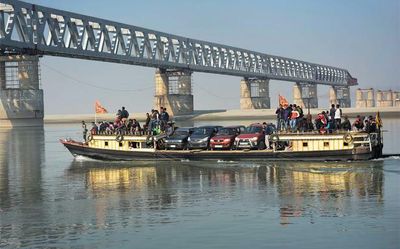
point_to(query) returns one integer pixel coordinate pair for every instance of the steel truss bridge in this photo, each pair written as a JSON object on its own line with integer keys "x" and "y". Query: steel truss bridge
{"x": 33, "y": 29}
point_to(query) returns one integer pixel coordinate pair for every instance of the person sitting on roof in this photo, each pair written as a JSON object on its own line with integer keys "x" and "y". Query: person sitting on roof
{"x": 321, "y": 122}
{"x": 346, "y": 124}
{"x": 370, "y": 125}
{"x": 94, "y": 130}
{"x": 358, "y": 124}
{"x": 124, "y": 114}
{"x": 135, "y": 126}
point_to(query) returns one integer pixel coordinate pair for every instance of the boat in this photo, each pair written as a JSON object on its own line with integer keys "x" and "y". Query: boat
{"x": 299, "y": 146}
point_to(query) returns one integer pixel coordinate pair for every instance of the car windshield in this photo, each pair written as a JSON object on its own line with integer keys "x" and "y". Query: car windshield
{"x": 202, "y": 131}
{"x": 181, "y": 132}
{"x": 253, "y": 129}
{"x": 226, "y": 131}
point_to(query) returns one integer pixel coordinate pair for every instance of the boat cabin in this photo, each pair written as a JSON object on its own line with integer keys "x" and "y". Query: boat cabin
{"x": 302, "y": 142}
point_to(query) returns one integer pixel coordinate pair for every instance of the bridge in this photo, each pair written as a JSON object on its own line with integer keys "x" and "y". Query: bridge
{"x": 29, "y": 31}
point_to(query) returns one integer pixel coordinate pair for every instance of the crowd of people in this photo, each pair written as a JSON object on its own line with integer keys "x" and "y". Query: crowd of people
{"x": 291, "y": 118}
{"x": 157, "y": 121}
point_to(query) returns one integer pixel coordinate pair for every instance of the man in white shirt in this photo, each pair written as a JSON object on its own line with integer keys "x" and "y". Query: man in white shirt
{"x": 338, "y": 116}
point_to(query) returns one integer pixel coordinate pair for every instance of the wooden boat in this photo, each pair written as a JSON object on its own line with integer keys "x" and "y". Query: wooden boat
{"x": 285, "y": 146}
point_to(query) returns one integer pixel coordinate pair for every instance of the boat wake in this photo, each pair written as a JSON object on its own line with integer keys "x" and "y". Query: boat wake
{"x": 223, "y": 161}
{"x": 81, "y": 158}
{"x": 387, "y": 158}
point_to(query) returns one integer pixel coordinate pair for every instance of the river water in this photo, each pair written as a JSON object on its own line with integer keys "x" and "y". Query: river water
{"x": 50, "y": 199}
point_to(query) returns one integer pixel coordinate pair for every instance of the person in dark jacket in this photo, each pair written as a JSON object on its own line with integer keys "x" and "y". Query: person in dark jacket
{"x": 85, "y": 130}
{"x": 280, "y": 117}
{"x": 332, "y": 112}
{"x": 346, "y": 125}
{"x": 124, "y": 114}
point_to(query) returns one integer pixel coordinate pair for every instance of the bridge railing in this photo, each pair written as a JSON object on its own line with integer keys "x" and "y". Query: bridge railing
{"x": 28, "y": 28}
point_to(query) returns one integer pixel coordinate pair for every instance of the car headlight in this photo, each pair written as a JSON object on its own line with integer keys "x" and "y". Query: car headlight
{"x": 204, "y": 139}
{"x": 212, "y": 140}
{"x": 237, "y": 139}
{"x": 254, "y": 139}
{"x": 227, "y": 140}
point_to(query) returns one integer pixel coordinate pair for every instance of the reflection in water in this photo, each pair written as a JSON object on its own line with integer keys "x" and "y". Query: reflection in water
{"x": 20, "y": 168}
{"x": 21, "y": 158}
{"x": 65, "y": 203}
{"x": 303, "y": 189}
{"x": 307, "y": 189}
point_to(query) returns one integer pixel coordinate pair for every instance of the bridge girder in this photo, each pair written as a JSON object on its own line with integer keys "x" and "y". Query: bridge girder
{"x": 34, "y": 29}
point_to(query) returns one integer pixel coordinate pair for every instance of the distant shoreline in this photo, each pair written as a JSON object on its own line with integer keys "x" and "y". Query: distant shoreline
{"x": 222, "y": 115}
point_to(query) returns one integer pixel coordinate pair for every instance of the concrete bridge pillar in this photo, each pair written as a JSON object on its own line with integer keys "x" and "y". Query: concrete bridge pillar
{"x": 21, "y": 99}
{"x": 384, "y": 98}
{"x": 254, "y": 94}
{"x": 305, "y": 95}
{"x": 396, "y": 98}
{"x": 365, "y": 98}
{"x": 174, "y": 91}
{"x": 340, "y": 95}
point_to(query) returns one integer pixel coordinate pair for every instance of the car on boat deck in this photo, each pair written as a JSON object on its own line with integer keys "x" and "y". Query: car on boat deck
{"x": 253, "y": 137}
{"x": 178, "y": 139}
{"x": 225, "y": 137}
{"x": 200, "y": 138}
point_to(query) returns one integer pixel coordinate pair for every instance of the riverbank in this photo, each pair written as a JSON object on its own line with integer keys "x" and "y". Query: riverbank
{"x": 221, "y": 115}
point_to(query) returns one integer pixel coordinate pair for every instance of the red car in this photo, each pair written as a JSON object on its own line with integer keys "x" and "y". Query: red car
{"x": 225, "y": 137}
{"x": 253, "y": 137}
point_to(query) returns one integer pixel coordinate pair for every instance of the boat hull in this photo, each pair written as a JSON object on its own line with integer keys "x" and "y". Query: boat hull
{"x": 81, "y": 149}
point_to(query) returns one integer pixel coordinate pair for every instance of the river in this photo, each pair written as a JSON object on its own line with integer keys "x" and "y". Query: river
{"x": 50, "y": 199}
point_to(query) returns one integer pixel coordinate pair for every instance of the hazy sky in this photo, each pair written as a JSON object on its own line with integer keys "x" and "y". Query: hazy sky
{"x": 362, "y": 36}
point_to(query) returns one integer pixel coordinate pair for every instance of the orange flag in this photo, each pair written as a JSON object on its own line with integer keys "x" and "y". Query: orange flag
{"x": 283, "y": 101}
{"x": 99, "y": 108}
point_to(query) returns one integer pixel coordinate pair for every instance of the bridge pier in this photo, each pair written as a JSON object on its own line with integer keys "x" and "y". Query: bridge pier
{"x": 365, "y": 98}
{"x": 21, "y": 99}
{"x": 174, "y": 91}
{"x": 254, "y": 94}
{"x": 305, "y": 95}
{"x": 340, "y": 95}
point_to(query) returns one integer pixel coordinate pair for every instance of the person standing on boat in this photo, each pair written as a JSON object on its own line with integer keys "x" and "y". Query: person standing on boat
{"x": 269, "y": 129}
{"x": 332, "y": 112}
{"x": 338, "y": 117}
{"x": 280, "y": 117}
{"x": 293, "y": 119}
{"x": 85, "y": 130}
{"x": 166, "y": 115}
{"x": 155, "y": 118}
{"x": 286, "y": 116}
{"x": 299, "y": 120}
{"x": 164, "y": 118}
{"x": 147, "y": 122}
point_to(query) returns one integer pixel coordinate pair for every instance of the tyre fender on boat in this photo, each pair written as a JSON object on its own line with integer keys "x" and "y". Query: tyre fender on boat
{"x": 119, "y": 138}
{"x": 274, "y": 137}
{"x": 90, "y": 138}
{"x": 347, "y": 138}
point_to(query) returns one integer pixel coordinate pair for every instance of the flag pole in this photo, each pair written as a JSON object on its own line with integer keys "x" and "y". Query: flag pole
{"x": 95, "y": 114}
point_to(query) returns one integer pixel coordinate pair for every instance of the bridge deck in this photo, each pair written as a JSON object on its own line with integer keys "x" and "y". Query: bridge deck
{"x": 33, "y": 29}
